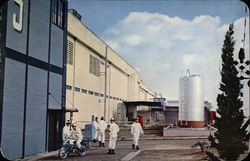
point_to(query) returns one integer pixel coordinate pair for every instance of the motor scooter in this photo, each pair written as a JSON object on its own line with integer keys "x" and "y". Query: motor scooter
{"x": 69, "y": 146}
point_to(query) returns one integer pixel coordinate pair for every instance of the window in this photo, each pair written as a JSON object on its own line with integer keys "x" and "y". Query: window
{"x": 94, "y": 65}
{"x": 57, "y": 17}
{"x": 70, "y": 58}
{"x": 102, "y": 63}
{"x": 101, "y": 95}
{"x": 77, "y": 89}
{"x": 96, "y": 94}
{"x": 68, "y": 87}
{"x": 84, "y": 91}
{"x": 90, "y": 92}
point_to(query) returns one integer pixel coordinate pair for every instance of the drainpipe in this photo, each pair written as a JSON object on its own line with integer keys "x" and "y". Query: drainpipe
{"x": 105, "y": 82}
{"x": 109, "y": 91}
{"x": 74, "y": 71}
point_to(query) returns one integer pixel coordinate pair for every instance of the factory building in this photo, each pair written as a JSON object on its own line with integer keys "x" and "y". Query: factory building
{"x": 98, "y": 79}
{"x": 172, "y": 112}
{"x": 32, "y": 76}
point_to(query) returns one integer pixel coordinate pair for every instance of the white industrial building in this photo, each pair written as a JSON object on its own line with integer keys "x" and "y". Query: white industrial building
{"x": 98, "y": 79}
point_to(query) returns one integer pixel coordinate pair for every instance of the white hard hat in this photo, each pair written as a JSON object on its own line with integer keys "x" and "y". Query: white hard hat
{"x": 73, "y": 124}
{"x": 112, "y": 119}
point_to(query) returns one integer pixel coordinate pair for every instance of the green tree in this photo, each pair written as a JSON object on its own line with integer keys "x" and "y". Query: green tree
{"x": 230, "y": 136}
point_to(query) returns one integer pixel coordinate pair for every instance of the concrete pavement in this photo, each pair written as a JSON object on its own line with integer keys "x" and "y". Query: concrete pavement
{"x": 124, "y": 151}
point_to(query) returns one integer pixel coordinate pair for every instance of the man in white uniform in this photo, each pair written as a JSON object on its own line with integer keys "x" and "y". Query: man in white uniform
{"x": 136, "y": 130}
{"x": 102, "y": 125}
{"x": 66, "y": 131}
{"x": 113, "y": 130}
{"x": 76, "y": 134}
{"x": 95, "y": 125}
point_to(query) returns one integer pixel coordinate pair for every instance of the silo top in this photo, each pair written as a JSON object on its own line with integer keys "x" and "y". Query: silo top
{"x": 192, "y": 76}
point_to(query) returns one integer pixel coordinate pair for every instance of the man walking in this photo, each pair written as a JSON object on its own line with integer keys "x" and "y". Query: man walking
{"x": 96, "y": 128}
{"x": 102, "y": 125}
{"x": 136, "y": 130}
{"x": 113, "y": 130}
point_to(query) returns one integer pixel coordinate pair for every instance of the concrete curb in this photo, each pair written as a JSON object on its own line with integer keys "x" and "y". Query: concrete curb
{"x": 166, "y": 138}
{"x": 38, "y": 156}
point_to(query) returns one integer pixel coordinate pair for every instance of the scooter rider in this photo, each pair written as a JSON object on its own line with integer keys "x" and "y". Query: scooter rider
{"x": 66, "y": 131}
{"x": 136, "y": 130}
{"x": 113, "y": 130}
{"x": 102, "y": 125}
{"x": 76, "y": 135}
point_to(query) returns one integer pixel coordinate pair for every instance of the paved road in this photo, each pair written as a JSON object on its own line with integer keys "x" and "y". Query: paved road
{"x": 124, "y": 150}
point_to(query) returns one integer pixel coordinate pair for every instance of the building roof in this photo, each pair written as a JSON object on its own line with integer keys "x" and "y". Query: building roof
{"x": 143, "y": 103}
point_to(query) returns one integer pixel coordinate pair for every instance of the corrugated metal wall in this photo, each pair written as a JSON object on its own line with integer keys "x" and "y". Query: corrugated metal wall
{"x": 36, "y": 110}
{"x": 35, "y": 85}
{"x": 39, "y": 29}
{"x": 13, "y": 109}
{"x": 55, "y": 89}
{"x": 13, "y": 35}
{"x": 56, "y": 46}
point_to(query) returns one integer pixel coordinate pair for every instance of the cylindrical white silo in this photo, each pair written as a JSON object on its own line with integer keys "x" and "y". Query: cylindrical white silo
{"x": 191, "y": 109}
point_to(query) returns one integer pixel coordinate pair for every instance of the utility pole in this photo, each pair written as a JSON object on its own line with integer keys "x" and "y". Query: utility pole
{"x": 242, "y": 65}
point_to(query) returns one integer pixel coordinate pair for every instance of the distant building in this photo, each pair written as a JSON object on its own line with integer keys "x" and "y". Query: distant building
{"x": 32, "y": 76}
{"x": 172, "y": 112}
{"x": 209, "y": 113}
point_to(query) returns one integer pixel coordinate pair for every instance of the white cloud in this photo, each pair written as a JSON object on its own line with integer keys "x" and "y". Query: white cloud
{"x": 131, "y": 40}
{"x": 162, "y": 47}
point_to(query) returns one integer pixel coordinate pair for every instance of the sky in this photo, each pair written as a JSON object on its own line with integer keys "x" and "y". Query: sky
{"x": 163, "y": 38}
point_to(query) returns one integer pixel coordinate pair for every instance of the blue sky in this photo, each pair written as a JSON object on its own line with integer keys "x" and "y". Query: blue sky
{"x": 162, "y": 39}
{"x": 99, "y": 15}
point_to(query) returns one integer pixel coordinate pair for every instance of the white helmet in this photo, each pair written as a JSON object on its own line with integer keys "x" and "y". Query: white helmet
{"x": 73, "y": 124}
{"x": 68, "y": 122}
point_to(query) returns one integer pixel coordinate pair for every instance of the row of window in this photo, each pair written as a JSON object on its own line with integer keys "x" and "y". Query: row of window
{"x": 57, "y": 16}
{"x": 92, "y": 93}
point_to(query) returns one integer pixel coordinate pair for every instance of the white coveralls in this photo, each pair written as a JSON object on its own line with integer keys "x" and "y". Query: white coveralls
{"x": 66, "y": 133}
{"x": 136, "y": 130}
{"x": 102, "y": 125}
{"x": 96, "y": 128}
{"x": 114, "y": 129}
{"x": 76, "y": 134}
